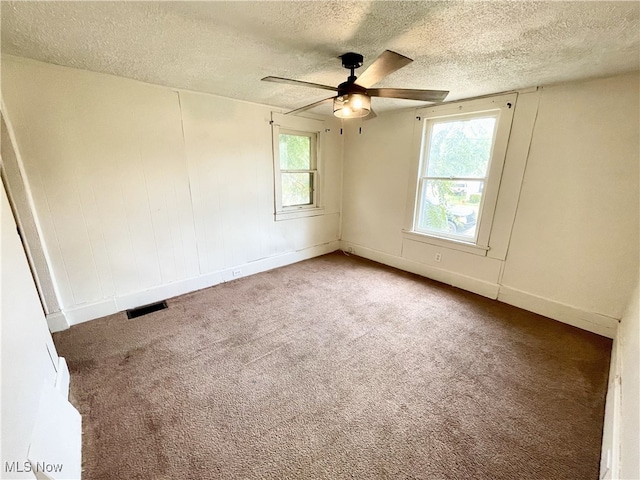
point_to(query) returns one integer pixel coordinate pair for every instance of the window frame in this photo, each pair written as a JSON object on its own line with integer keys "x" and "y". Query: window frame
{"x": 503, "y": 107}
{"x": 281, "y": 124}
{"x": 313, "y": 170}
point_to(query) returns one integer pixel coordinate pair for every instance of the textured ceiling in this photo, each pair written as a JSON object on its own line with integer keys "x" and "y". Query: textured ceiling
{"x": 225, "y": 48}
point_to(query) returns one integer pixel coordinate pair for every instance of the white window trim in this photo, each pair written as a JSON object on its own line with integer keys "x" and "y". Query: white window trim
{"x": 445, "y": 242}
{"x": 291, "y": 124}
{"x": 505, "y": 105}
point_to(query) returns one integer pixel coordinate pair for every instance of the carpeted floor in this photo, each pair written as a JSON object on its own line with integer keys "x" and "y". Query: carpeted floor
{"x": 334, "y": 368}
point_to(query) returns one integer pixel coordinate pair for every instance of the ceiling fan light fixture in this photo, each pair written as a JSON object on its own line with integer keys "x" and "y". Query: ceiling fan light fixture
{"x": 352, "y": 105}
{"x": 354, "y": 95}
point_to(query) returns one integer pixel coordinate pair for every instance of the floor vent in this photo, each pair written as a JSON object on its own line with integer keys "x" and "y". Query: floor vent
{"x": 146, "y": 309}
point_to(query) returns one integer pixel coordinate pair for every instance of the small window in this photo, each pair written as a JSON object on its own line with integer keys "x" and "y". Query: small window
{"x": 297, "y": 152}
{"x": 461, "y": 158}
{"x": 296, "y": 165}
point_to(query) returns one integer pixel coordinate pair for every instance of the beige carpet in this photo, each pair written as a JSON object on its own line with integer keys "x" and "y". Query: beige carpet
{"x": 334, "y": 368}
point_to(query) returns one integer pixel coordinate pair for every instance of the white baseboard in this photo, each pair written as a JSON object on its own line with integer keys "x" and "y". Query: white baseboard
{"x": 86, "y": 312}
{"x": 162, "y": 292}
{"x": 57, "y": 322}
{"x": 89, "y": 311}
{"x": 592, "y": 322}
{"x": 481, "y": 287}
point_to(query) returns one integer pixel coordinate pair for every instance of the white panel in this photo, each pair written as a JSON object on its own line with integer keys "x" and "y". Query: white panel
{"x": 378, "y": 158}
{"x": 514, "y": 166}
{"x": 140, "y": 189}
{"x": 621, "y": 433}
{"x": 22, "y": 203}
{"x": 57, "y": 322}
{"x": 88, "y": 312}
{"x": 55, "y": 451}
{"x": 449, "y": 277}
{"x": 166, "y": 185}
{"x": 26, "y": 343}
{"x": 575, "y": 237}
{"x": 468, "y": 264}
{"x": 569, "y": 236}
{"x": 630, "y": 392}
{"x": 230, "y": 166}
{"x": 109, "y": 169}
{"x": 214, "y": 133}
{"x": 63, "y": 378}
{"x": 592, "y": 322}
{"x": 610, "y": 451}
{"x": 297, "y": 234}
{"x": 332, "y": 153}
{"x": 58, "y": 164}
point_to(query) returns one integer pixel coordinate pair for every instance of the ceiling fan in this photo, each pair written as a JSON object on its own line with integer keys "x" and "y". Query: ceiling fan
{"x": 353, "y": 97}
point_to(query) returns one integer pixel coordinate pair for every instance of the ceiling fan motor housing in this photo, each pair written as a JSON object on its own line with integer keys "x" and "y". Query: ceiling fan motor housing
{"x": 349, "y": 87}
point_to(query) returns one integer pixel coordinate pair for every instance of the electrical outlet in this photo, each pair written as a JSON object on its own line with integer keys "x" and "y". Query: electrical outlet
{"x": 438, "y": 257}
{"x": 350, "y": 250}
{"x": 236, "y": 273}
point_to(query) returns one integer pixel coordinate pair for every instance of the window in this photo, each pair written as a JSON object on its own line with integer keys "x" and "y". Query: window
{"x": 298, "y": 174}
{"x": 296, "y": 161}
{"x": 461, "y": 157}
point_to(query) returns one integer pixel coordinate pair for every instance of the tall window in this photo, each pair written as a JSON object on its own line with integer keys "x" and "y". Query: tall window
{"x": 454, "y": 174}
{"x": 296, "y": 166}
{"x": 298, "y": 173}
{"x": 461, "y": 159}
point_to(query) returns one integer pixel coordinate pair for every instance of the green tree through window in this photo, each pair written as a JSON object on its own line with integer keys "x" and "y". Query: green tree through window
{"x": 457, "y": 157}
{"x": 296, "y": 169}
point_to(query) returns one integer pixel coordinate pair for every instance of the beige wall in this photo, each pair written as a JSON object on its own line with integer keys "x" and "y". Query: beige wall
{"x": 575, "y": 238}
{"x": 142, "y": 192}
{"x": 564, "y": 245}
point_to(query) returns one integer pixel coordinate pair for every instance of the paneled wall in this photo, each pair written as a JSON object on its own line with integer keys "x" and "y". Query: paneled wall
{"x": 575, "y": 238}
{"x": 564, "y": 241}
{"x": 142, "y": 192}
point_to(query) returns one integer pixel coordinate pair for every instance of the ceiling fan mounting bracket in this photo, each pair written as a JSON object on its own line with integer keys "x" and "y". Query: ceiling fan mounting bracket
{"x": 352, "y": 60}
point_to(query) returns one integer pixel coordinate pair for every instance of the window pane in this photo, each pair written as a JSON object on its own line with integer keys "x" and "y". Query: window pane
{"x": 460, "y": 148}
{"x": 297, "y": 189}
{"x": 295, "y": 152}
{"x": 451, "y": 207}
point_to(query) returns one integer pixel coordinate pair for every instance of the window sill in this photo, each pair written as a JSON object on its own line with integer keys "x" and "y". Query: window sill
{"x": 298, "y": 213}
{"x": 446, "y": 242}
